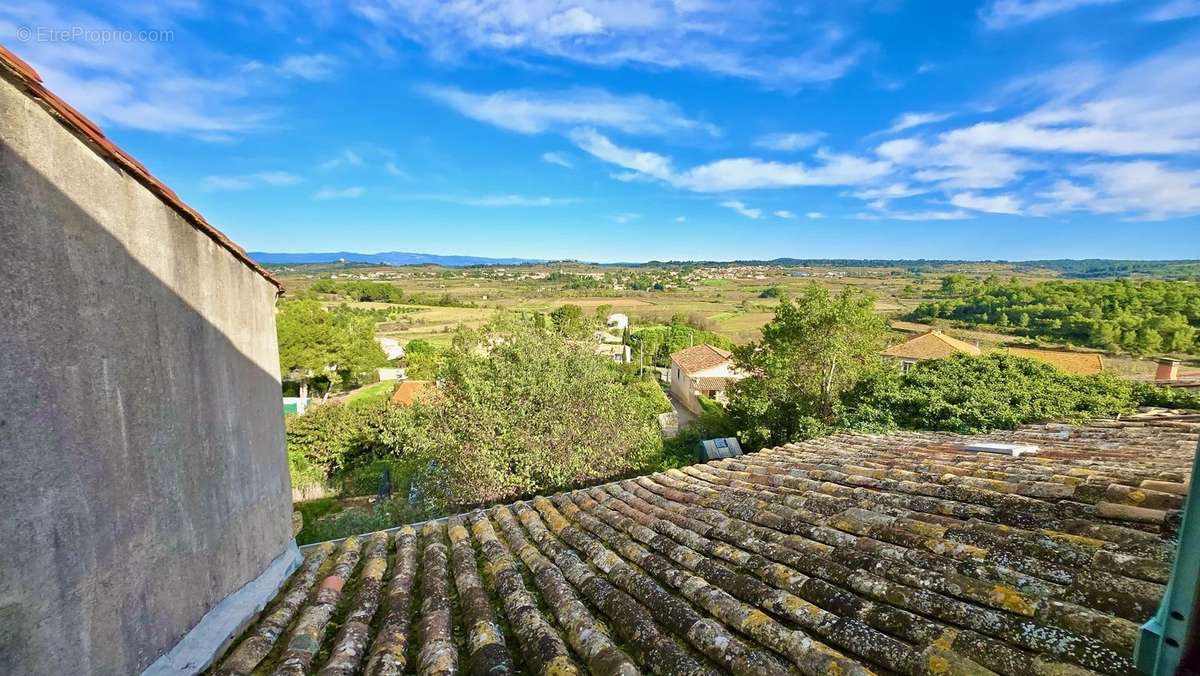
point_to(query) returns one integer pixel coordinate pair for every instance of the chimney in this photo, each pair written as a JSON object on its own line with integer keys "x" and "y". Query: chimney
{"x": 1168, "y": 369}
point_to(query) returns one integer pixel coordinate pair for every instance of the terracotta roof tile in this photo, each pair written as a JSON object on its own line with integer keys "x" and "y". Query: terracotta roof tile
{"x": 931, "y": 345}
{"x": 854, "y": 553}
{"x": 28, "y": 79}
{"x": 408, "y": 391}
{"x": 1078, "y": 363}
{"x": 700, "y": 358}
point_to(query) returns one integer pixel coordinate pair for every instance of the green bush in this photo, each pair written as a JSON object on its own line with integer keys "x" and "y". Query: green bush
{"x": 334, "y": 437}
{"x": 971, "y": 394}
{"x": 1147, "y": 394}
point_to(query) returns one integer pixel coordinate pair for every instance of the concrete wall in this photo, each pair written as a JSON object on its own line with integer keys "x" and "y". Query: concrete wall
{"x": 141, "y": 439}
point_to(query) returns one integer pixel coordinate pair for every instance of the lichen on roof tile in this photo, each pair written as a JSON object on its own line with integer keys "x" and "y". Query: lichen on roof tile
{"x": 855, "y": 553}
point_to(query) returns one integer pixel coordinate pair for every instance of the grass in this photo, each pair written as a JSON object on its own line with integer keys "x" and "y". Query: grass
{"x": 372, "y": 393}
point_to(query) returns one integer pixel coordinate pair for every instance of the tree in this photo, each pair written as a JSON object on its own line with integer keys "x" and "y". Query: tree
{"x": 568, "y": 321}
{"x": 817, "y": 346}
{"x": 422, "y": 360}
{"x": 520, "y": 410}
{"x": 307, "y": 340}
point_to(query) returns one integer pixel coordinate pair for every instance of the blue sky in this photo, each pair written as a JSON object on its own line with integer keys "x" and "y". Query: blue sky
{"x": 628, "y": 130}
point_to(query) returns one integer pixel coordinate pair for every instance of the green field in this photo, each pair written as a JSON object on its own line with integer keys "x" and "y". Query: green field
{"x": 726, "y": 299}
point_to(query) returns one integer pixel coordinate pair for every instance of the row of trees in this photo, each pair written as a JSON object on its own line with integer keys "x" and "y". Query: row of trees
{"x": 1134, "y": 316}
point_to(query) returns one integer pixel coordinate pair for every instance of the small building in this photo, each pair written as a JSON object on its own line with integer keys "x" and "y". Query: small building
{"x": 1075, "y": 363}
{"x": 703, "y": 370}
{"x": 931, "y": 345}
{"x": 617, "y": 321}
{"x": 391, "y": 347}
{"x": 409, "y": 391}
{"x": 391, "y": 373}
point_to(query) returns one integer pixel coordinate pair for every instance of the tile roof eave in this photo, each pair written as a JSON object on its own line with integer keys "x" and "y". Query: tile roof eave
{"x": 27, "y": 78}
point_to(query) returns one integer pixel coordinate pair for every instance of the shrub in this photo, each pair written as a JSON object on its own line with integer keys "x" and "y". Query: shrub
{"x": 970, "y": 394}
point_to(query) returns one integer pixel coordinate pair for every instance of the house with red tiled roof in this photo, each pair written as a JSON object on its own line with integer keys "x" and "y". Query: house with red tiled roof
{"x": 702, "y": 370}
{"x": 1075, "y": 363}
{"x": 931, "y": 345}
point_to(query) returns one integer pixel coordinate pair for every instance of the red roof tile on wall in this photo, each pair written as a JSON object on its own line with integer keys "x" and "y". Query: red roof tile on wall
{"x": 31, "y": 82}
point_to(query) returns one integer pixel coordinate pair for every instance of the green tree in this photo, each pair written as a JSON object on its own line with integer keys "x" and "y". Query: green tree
{"x": 817, "y": 346}
{"x": 519, "y": 411}
{"x": 307, "y": 338}
{"x": 568, "y": 321}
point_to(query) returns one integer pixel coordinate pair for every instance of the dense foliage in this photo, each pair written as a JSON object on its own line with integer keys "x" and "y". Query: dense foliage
{"x": 1136, "y": 316}
{"x": 970, "y": 394}
{"x": 335, "y": 437}
{"x": 338, "y": 344}
{"x": 655, "y": 344}
{"x": 817, "y": 346}
{"x": 361, "y": 290}
{"x": 520, "y": 411}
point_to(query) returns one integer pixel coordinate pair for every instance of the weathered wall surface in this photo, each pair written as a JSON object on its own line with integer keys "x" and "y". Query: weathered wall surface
{"x": 141, "y": 438}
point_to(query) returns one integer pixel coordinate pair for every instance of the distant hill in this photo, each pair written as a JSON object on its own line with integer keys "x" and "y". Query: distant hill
{"x": 383, "y": 258}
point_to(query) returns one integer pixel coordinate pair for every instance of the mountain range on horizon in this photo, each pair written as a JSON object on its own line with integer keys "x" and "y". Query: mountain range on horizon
{"x": 383, "y": 258}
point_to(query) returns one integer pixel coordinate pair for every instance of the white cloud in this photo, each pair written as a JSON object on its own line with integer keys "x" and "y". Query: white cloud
{"x": 509, "y": 200}
{"x": 1147, "y": 189}
{"x": 574, "y": 21}
{"x": 724, "y": 37}
{"x": 997, "y": 204}
{"x": 309, "y": 66}
{"x": 557, "y": 158}
{"x": 598, "y": 145}
{"x": 742, "y": 209}
{"x": 789, "y": 141}
{"x": 814, "y": 215}
{"x": 1173, "y": 10}
{"x": 892, "y": 191}
{"x": 626, "y": 217}
{"x": 345, "y": 158}
{"x": 340, "y": 193}
{"x": 680, "y": 219}
{"x": 784, "y": 213}
{"x": 1007, "y": 13}
{"x": 394, "y": 169}
{"x": 245, "y": 181}
{"x": 533, "y": 112}
{"x": 910, "y": 120}
{"x": 956, "y": 215}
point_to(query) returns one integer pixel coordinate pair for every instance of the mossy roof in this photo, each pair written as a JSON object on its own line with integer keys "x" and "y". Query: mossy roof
{"x": 846, "y": 554}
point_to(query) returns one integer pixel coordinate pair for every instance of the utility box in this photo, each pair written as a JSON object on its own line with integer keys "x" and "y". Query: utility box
{"x": 716, "y": 449}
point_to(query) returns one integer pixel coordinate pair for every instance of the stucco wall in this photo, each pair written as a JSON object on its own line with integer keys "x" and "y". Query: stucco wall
{"x": 142, "y": 459}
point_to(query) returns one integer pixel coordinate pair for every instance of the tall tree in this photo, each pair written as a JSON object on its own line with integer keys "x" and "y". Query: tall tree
{"x": 817, "y": 346}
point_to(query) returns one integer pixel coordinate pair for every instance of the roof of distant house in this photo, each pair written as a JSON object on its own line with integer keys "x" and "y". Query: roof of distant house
{"x": 854, "y": 553}
{"x": 700, "y": 358}
{"x": 31, "y": 82}
{"x": 931, "y": 345}
{"x": 1078, "y": 363}
{"x": 409, "y": 390}
{"x": 713, "y": 382}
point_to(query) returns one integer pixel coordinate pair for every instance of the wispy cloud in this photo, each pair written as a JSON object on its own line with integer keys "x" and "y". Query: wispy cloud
{"x": 994, "y": 204}
{"x": 1001, "y": 14}
{"x": 784, "y": 213}
{"x": 557, "y": 158}
{"x": 528, "y": 111}
{"x": 244, "y": 181}
{"x": 345, "y": 158}
{"x": 935, "y": 215}
{"x": 735, "y": 173}
{"x": 789, "y": 141}
{"x": 814, "y": 215}
{"x": 742, "y": 209}
{"x": 910, "y": 120}
{"x": 627, "y": 217}
{"x": 702, "y": 35}
{"x": 1173, "y": 10}
{"x": 507, "y": 200}
{"x": 309, "y": 66}
{"x": 340, "y": 193}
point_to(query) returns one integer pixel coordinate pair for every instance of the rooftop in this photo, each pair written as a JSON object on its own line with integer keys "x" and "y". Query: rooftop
{"x": 931, "y": 345}
{"x": 852, "y": 553}
{"x": 700, "y": 358}
{"x": 1078, "y": 363}
{"x": 409, "y": 390}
